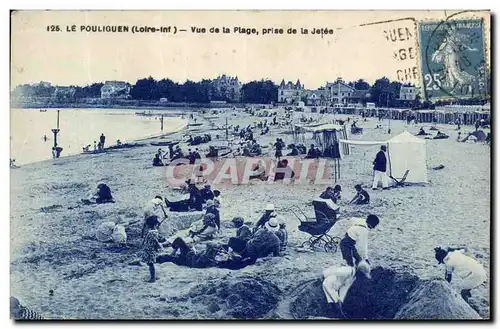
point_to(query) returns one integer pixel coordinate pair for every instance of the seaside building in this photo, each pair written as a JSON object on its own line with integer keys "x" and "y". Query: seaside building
{"x": 290, "y": 93}
{"x": 336, "y": 93}
{"x": 115, "y": 89}
{"x": 408, "y": 93}
{"x": 227, "y": 88}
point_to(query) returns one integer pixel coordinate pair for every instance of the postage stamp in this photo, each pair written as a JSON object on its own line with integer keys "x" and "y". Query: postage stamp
{"x": 453, "y": 59}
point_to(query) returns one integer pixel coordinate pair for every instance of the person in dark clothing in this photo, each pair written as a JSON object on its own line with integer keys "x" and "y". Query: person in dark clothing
{"x": 211, "y": 209}
{"x": 157, "y": 161}
{"x": 197, "y": 154}
{"x": 294, "y": 151}
{"x": 102, "y": 139}
{"x": 264, "y": 242}
{"x": 243, "y": 234}
{"x": 207, "y": 193}
{"x": 104, "y": 194}
{"x": 195, "y": 197}
{"x": 191, "y": 157}
{"x": 313, "y": 153}
{"x": 279, "y": 148}
{"x": 58, "y": 151}
{"x": 331, "y": 193}
{"x": 171, "y": 151}
{"x": 283, "y": 165}
{"x": 421, "y": 132}
{"x": 380, "y": 168}
{"x": 362, "y": 197}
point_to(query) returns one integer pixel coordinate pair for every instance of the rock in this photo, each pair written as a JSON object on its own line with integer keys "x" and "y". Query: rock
{"x": 436, "y": 300}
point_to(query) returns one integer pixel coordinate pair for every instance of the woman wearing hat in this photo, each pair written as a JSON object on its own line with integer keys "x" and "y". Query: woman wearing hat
{"x": 208, "y": 230}
{"x": 268, "y": 213}
{"x": 264, "y": 241}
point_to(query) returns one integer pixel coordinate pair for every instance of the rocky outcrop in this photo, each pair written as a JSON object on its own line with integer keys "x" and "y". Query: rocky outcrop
{"x": 436, "y": 300}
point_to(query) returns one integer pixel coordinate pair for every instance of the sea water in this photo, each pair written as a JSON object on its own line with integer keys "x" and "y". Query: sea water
{"x": 78, "y": 128}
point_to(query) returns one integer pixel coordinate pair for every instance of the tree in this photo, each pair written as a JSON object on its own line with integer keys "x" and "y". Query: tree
{"x": 145, "y": 89}
{"x": 262, "y": 92}
{"x": 361, "y": 85}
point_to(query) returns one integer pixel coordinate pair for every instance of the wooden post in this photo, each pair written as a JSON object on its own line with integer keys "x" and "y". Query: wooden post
{"x": 161, "y": 122}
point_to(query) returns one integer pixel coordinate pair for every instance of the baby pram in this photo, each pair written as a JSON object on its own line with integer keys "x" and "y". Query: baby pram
{"x": 325, "y": 217}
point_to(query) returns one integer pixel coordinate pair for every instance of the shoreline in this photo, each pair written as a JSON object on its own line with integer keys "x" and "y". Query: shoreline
{"x": 180, "y": 128}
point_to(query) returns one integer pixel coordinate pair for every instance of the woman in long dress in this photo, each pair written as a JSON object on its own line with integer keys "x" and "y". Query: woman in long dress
{"x": 448, "y": 54}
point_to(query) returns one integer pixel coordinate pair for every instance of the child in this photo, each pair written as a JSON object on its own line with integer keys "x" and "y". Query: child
{"x": 465, "y": 267}
{"x": 362, "y": 197}
{"x": 217, "y": 201}
{"x": 151, "y": 245}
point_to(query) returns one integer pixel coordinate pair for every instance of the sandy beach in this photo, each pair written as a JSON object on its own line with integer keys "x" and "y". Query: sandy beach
{"x": 53, "y": 244}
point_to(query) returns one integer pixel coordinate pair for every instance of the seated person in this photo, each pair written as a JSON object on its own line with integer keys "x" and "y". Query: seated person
{"x": 332, "y": 193}
{"x": 264, "y": 242}
{"x": 211, "y": 209}
{"x": 283, "y": 165}
{"x": 421, "y": 132}
{"x": 256, "y": 150}
{"x": 243, "y": 234}
{"x": 294, "y": 151}
{"x": 259, "y": 171}
{"x": 246, "y": 152}
{"x": 157, "y": 161}
{"x": 208, "y": 230}
{"x": 103, "y": 194}
{"x": 266, "y": 216}
{"x": 362, "y": 197}
{"x": 440, "y": 135}
{"x": 207, "y": 193}
{"x": 212, "y": 152}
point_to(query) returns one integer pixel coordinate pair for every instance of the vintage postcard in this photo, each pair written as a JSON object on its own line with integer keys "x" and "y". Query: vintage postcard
{"x": 272, "y": 165}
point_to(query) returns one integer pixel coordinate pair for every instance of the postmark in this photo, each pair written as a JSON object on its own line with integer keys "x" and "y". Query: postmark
{"x": 453, "y": 59}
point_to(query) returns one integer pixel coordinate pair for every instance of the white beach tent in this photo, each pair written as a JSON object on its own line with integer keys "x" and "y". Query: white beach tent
{"x": 404, "y": 152}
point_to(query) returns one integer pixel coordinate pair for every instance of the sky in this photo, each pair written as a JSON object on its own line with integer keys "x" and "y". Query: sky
{"x": 360, "y": 46}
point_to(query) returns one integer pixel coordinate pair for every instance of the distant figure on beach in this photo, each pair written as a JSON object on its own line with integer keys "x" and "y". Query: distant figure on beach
{"x": 466, "y": 268}
{"x": 95, "y": 146}
{"x": 54, "y": 153}
{"x": 337, "y": 282}
{"x": 118, "y": 142}
{"x": 313, "y": 153}
{"x": 102, "y": 139}
{"x": 294, "y": 151}
{"x": 279, "y": 147}
{"x": 45, "y": 138}
{"x": 207, "y": 231}
{"x": 380, "y": 168}
{"x": 86, "y": 148}
{"x": 421, "y": 132}
{"x": 354, "y": 245}
{"x": 58, "y": 151}
{"x": 207, "y": 193}
{"x": 361, "y": 197}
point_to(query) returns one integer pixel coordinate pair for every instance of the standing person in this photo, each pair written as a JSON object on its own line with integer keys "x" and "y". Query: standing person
{"x": 95, "y": 146}
{"x": 467, "y": 268}
{"x": 58, "y": 151}
{"x": 279, "y": 148}
{"x": 380, "y": 168}
{"x": 54, "y": 153}
{"x": 354, "y": 245}
{"x": 282, "y": 234}
{"x": 151, "y": 245}
{"x": 217, "y": 199}
{"x": 338, "y": 280}
{"x": 207, "y": 193}
{"x": 195, "y": 197}
{"x": 102, "y": 139}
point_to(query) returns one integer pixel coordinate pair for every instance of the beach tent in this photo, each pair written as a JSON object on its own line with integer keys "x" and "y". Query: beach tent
{"x": 404, "y": 152}
{"x": 329, "y": 134}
